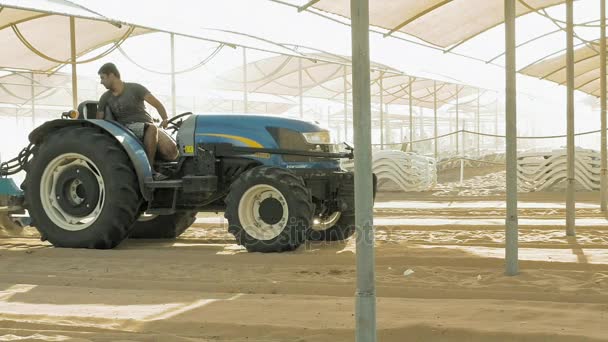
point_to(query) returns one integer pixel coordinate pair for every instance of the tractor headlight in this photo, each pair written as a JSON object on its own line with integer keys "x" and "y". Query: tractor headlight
{"x": 72, "y": 114}
{"x": 321, "y": 137}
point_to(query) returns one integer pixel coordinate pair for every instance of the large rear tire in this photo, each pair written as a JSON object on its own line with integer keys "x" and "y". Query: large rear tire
{"x": 269, "y": 209}
{"x": 81, "y": 190}
{"x": 163, "y": 226}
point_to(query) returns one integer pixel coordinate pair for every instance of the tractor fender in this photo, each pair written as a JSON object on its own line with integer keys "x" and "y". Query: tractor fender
{"x": 129, "y": 142}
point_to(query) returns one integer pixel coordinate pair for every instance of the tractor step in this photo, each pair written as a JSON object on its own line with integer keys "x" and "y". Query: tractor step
{"x": 160, "y": 211}
{"x": 165, "y": 184}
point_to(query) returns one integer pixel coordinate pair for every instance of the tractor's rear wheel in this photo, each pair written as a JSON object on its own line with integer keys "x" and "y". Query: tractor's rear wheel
{"x": 269, "y": 209}
{"x": 81, "y": 190}
{"x": 162, "y": 226}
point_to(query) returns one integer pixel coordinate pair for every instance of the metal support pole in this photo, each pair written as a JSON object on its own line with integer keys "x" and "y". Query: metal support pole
{"x": 345, "y": 106}
{"x": 401, "y": 125}
{"x": 511, "y": 232}
{"x": 477, "y": 128}
{"x": 496, "y": 125}
{"x": 462, "y": 157}
{"x": 300, "y": 92}
{"x": 570, "y": 206}
{"x": 173, "y": 94}
{"x": 421, "y": 132}
{"x": 245, "y": 102}
{"x": 381, "y": 115}
{"x": 73, "y": 62}
{"x": 388, "y": 127}
{"x": 411, "y": 115}
{"x": 604, "y": 152}
{"x": 33, "y": 94}
{"x": 435, "y": 116}
{"x": 365, "y": 305}
{"x": 457, "y": 121}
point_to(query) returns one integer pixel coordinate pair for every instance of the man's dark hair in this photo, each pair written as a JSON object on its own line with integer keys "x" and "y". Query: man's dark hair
{"x": 109, "y": 68}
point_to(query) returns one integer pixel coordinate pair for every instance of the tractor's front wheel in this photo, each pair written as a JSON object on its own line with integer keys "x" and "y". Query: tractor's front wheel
{"x": 269, "y": 209}
{"x": 81, "y": 190}
{"x": 335, "y": 227}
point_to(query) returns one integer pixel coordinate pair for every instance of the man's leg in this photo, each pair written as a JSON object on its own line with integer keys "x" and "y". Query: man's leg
{"x": 151, "y": 142}
{"x": 167, "y": 149}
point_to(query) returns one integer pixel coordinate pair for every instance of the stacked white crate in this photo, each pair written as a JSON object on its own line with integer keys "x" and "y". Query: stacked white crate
{"x": 538, "y": 171}
{"x": 402, "y": 171}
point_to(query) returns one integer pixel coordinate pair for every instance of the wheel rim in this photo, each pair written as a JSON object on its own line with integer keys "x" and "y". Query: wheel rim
{"x": 145, "y": 217}
{"x": 72, "y": 191}
{"x": 263, "y": 212}
{"x": 324, "y": 223}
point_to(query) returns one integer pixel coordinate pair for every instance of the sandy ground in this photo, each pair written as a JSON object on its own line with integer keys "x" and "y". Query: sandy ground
{"x": 202, "y": 287}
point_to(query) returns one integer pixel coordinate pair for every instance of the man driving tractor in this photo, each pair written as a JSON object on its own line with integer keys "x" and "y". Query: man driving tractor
{"x": 126, "y": 102}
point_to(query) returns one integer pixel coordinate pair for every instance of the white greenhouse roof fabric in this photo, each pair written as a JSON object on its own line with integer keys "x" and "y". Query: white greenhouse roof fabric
{"x": 439, "y": 22}
{"x": 35, "y": 34}
{"x": 49, "y": 90}
{"x": 586, "y": 69}
{"x": 280, "y": 75}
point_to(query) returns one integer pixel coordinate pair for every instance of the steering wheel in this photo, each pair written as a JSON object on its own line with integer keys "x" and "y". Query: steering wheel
{"x": 175, "y": 122}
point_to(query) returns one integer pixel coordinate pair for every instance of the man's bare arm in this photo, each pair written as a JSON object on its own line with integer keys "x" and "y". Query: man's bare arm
{"x": 154, "y": 102}
{"x": 99, "y": 115}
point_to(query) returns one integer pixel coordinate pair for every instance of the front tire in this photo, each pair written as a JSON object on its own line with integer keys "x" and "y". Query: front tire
{"x": 163, "y": 226}
{"x": 81, "y": 190}
{"x": 341, "y": 230}
{"x": 269, "y": 209}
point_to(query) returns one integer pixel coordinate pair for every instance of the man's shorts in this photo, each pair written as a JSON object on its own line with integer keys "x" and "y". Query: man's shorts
{"x": 138, "y": 128}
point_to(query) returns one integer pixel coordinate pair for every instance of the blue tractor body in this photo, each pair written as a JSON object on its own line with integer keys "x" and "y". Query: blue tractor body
{"x": 278, "y": 181}
{"x": 256, "y": 131}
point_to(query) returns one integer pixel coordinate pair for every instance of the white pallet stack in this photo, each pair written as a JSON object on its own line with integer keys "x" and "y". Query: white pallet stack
{"x": 402, "y": 171}
{"x": 541, "y": 171}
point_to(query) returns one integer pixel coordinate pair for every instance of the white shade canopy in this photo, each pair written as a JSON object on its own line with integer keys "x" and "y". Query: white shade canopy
{"x": 327, "y": 76}
{"x": 36, "y": 34}
{"x": 586, "y": 69}
{"x": 439, "y": 22}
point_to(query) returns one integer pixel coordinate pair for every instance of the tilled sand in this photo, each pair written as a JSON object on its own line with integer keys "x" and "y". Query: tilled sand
{"x": 202, "y": 287}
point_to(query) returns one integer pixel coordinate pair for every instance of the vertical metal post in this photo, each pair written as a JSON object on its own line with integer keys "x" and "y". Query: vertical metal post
{"x": 457, "y": 121}
{"x": 388, "y": 134}
{"x": 33, "y": 94}
{"x": 411, "y": 114}
{"x": 173, "y": 93}
{"x": 604, "y": 152}
{"x": 477, "y": 128}
{"x": 570, "y": 206}
{"x": 381, "y": 114}
{"x": 511, "y": 233}
{"x": 435, "y": 116}
{"x": 421, "y": 132}
{"x": 462, "y": 157}
{"x": 73, "y": 62}
{"x": 496, "y": 125}
{"x": 401, "y": 125}
{"x": 245, "y": 102}
{"x": 300, "y": 91}
{"x": 345, "y": 106}
{"x": 365, "y": 306}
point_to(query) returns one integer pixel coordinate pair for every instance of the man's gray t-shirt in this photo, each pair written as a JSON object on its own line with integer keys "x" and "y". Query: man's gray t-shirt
{"x": 128, "y": 107}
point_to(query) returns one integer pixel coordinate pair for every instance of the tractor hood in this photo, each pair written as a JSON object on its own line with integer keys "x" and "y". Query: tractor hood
{"x": 254, "y": 130}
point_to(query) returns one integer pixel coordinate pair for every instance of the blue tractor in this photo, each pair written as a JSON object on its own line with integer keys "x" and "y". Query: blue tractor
{"x": 89, "y": 184}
